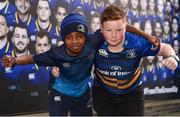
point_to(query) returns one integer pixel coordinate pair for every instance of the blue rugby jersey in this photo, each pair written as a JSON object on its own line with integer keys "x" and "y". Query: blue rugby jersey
{"x": 9, "y": 9}
{"x": 37, "y": 80}
{"x": 13, "y": 20}
{"x": 97, "y": 8}
{"x": 16, "y": 77}
{"x": 75, "y": 71}
{"x": 51, "y": 30}
{"x": 6, "y": 50}
{"x": 86, "y": 6}
{"x": 119, "y": 72}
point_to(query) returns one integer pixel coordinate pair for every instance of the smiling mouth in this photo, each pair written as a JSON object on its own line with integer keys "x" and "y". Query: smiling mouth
{"x": 75, "y": 47}
{"x": 113, "y": 40}
{"x": 23, "y": 7}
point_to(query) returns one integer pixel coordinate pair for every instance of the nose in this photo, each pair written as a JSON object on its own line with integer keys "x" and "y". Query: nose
{"x": 20, "y": 39}
{"x": 42, "y": 48}
{"x": 114, "y": 34}
{"x": 74, "y": 39}
{"x": 23, "y": 2}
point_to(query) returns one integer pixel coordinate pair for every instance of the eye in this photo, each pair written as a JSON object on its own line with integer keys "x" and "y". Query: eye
{"x": 108, "y": 30}
{"x": 119, "y": 30}
{"x": 80, "y": 35}
{"x": 45, "y": 45}
{"x": 17, "y": 36}
{"x": 24, "y": 36}
{"x": 68, "y": 37}
{"x": 40, "y": 7}
{"x": 46, "y": 8}
{"x": 39, "y": 44}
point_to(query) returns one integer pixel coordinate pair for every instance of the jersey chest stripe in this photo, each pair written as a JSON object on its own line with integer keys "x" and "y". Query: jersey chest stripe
{"x": 119, "y": 84}
{"x": 110, "y": 79}
{"x": 135, "y": 78}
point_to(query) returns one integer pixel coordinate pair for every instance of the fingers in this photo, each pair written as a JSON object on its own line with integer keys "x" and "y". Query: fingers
{"x": 156, "y": 43}
{"x": 55, "y": 71}
{"x": 170, "y": 63}
{"x": 7, "y": 61}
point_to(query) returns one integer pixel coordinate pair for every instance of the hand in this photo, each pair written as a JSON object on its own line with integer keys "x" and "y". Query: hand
{"x": 60, "y": 43}
{"x": 155, "y": 41}
{"x": 55, "y": 71}
{"x": 8, "y": 61}
{"x": 170, "y": 63}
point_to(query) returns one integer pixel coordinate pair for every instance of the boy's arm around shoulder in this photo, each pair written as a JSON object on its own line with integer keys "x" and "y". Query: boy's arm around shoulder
{"x": 152, "y": 39}
{"x": 9, "y": 61}
{"x": 95, "y": 39}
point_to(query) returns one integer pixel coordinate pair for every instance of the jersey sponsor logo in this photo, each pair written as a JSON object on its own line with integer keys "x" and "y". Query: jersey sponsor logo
{"x": 102, "y": 52}
{"x": 116, "y": 68}
{"x": 66, "y": 65}
{"x": 57, "y": 98}
{"x": 12, "y": 87}
{"x": 31, "y": 76}
{"x": 8, "y": 69}
{"x": 35, "y": 93}
{"x": 33, "y": 37}
{"x": 11, "y": 28}
{"x": 131, "y": 54}
{"x": 54, "y": 41}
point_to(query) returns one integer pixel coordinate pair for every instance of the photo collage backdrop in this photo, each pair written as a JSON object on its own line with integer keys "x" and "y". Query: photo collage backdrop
{"x": 24, "y": 88}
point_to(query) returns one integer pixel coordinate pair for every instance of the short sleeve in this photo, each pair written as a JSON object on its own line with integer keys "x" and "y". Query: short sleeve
{"x": 146, "y": 47}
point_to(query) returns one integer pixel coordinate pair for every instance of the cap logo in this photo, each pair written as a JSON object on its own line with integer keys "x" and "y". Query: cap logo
{"x": 81, "y": 28}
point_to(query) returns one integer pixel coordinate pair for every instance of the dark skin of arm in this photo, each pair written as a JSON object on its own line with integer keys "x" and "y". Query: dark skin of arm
{"x": 9, "y": 61}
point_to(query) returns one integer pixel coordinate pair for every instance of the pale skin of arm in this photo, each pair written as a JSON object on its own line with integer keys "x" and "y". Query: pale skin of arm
{"x": 165, "y": 49}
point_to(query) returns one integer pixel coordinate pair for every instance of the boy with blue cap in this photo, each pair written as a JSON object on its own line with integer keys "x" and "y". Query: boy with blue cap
{"x": 70, "y": 92}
